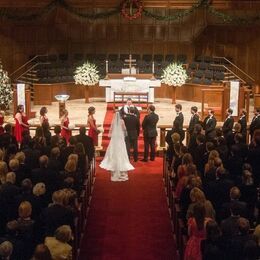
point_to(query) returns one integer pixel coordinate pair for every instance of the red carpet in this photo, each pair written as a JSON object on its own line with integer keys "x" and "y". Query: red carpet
{"x": 107, "y": 122}
{"x": 129, "y": 220}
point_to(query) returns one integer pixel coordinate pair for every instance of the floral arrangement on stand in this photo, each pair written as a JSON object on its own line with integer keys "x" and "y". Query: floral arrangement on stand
{"x": 6, "y": 91}
{"x": 174, "y": 75}
{"x": 135, "y": 9}
{"x": 86, "y": 74}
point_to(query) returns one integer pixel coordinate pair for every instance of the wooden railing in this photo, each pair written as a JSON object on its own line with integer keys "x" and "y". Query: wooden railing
{"x": 235, "y": 68}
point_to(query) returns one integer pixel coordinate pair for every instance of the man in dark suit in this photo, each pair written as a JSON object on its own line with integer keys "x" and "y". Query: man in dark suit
{"x": 243, "y": 122}
{"x": 195, "y": 119}
{"x": 209, "y": 125}
{"x": 6, "y": 139}
{"x": 228, "y": 125}
{"x": 179, "y": 117}
{"x": 65, "y": 153}
{"x": 150, "y": 133}
{"x": 133, "y": 129}
{"x": 125, "y": 110}
{"x": 255, "y": 124}
{"x": 87, "y": 143}
{"x": 56, "y": 215}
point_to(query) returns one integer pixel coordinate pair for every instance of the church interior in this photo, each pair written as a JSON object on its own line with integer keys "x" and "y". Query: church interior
{"x": 162, "y": 55}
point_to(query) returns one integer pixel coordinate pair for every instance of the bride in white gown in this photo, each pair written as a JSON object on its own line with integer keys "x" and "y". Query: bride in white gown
{"x": 116, "y": 158}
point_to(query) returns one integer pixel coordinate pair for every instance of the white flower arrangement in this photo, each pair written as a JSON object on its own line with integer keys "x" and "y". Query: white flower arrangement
{"x": 174, "y": 75}
{"x": 87, "y": 74}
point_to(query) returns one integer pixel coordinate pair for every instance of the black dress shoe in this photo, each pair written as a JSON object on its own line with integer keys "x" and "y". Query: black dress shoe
{"x": 144, "y": 160}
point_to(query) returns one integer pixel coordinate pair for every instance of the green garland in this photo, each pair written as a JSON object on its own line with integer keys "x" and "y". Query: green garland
{"x": 16, "y": 14}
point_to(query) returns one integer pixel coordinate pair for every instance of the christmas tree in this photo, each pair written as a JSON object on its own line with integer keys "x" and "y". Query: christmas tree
{"x": 6, "y": 92}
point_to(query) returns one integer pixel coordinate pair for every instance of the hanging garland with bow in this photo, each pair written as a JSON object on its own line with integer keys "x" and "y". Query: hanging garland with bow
{"x": 130, "y": 9}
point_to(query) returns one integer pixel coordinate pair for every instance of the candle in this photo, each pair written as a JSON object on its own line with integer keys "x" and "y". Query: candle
{"x": 106, "y": 66}
{"x": 153, "y": 67}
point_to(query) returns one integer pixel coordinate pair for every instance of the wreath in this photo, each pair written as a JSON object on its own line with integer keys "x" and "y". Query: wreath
{"x": 132, "y": 9}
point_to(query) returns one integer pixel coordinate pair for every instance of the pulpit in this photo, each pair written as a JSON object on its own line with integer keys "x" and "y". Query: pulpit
{"x": 62, "y": 103}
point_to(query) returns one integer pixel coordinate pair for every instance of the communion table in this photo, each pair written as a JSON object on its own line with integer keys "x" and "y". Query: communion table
{"x": 139, "y": 83}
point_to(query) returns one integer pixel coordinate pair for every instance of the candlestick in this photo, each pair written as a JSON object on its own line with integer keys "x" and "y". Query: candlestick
{"x": 106, "y": 66}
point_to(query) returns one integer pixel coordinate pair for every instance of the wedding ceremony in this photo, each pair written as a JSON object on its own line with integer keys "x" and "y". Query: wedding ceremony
{"x": 130, "y": 130}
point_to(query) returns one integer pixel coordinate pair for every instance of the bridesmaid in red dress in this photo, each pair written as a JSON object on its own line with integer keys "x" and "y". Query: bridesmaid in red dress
{"x": 43, "y": 117}
{"x": 65, "y": 131}
{"x": 93, "y": 131}
{"x": 21, "y": 123}
{"x": 1, "y": 122}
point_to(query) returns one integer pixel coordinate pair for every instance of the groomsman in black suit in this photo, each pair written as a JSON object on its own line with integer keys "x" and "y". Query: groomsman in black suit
{"x": 228, "y": 124}
{"x": 150, "y": 133}
{"x": 209, "y": 125}
{"x": 255, "y": 124}
{"x": 243, "y": 122}
{"x": 179, "y": 117}
{"x": 195, "y": 119}
{"x": 133, "y": 129}
{"x": 125, "y": 110}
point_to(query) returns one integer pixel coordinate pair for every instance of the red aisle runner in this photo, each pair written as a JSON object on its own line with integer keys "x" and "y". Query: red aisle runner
{"x": 129, "y": 220}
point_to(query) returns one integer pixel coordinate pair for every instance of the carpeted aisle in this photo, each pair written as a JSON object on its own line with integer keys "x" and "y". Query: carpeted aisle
{"x": 129, "y": 220}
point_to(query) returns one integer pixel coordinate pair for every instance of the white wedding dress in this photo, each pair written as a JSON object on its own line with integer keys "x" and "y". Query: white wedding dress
{"x": 116, "y": 158}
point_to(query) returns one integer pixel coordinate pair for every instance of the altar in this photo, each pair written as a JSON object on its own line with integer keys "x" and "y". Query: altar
{"x": 139, "y": 83}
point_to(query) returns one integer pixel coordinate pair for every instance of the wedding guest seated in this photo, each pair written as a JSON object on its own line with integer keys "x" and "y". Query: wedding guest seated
{"x": 193, "y": 137}
{"x": 68, "y": 150}
{"x": 59, "y": 244}
{"x": 210, "y": 167}
{"x": 196, "y": 232}
{"x": 254, "y": 155}
{"x": 199, "y": 152}
{"x": 212, "y": 246}
{"x": 10, "y": 152}
{"x": 171, "y": 140}
{"x": 7, "y": 138}
{"x": 45, "y": 175}
{"x": 222, "y": 149}
{"x": 6, "y": 250}
{"x": 185, "y": 200}
{"x": 198, "y": 196}
{"x": 25, "y": 193}
{"x": 40, "y": 199}
{"x": 57, "y": 140}
{"x": 39, "y": 140}
{"x": 8, "y": 194}
{"x": 248, "y": 190}
{"x": 17, "y": 242}
{"x": 41, "y": 252}
{"x": 234, "y": 199}
{"x": 56, "y": 214}
{"x": 3, "y": 172}
{"x": 82, "y": 164}
{"x": 70, "y": 170}
{"x": 26, "y": 227}
{"x": 87, "y": 143}
{"x": 54, "y": 160}
{"x": 239, "y": 242}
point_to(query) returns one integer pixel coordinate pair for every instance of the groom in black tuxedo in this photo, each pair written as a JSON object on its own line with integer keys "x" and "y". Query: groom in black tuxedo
{"x": 133, "y": 129}
{"x": 150, "y": 133}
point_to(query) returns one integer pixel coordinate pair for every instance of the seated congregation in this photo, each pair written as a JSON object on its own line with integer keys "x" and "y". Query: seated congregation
{"x": 213, "y": 192}
{"x": 42, "y": 182}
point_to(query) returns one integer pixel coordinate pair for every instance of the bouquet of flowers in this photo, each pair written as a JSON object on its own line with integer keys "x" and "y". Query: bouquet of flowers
{"x": 174, "y": 75}
{"x": 87, "y": 74}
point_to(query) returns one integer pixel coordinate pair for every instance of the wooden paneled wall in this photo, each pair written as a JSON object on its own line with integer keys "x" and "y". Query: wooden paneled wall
{"x": 63, "y": 33}
{"x": 240, "y": 43}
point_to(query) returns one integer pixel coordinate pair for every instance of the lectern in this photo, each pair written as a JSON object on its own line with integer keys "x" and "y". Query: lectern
{"x": 62, "y": 103}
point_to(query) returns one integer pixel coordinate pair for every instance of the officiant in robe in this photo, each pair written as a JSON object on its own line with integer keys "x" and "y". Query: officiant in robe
{"x": 125, "y": 110}
{"x": 132, "y": 124}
